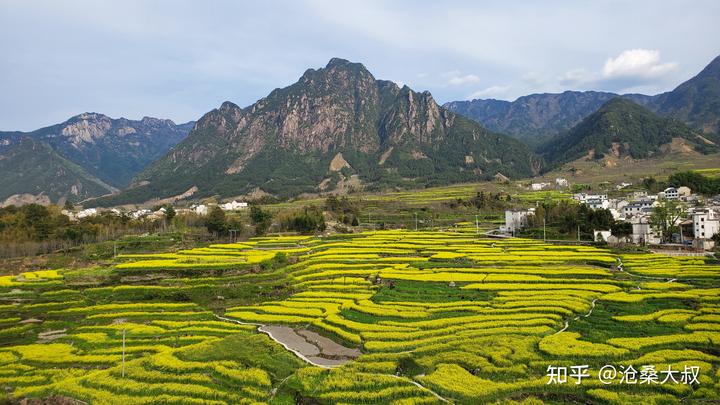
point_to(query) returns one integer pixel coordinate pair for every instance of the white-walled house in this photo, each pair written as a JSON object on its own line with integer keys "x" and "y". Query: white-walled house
{"x": 684, "y": 191}
{"x": 516, "y": 219}
{"x": 87, "y": 212}
{"x": 670, "y": 193}
{"x": 643, "y": 232}
{"x": 201, "y": 209}
{"x": 636, "y": 208}
{"x": 538, "y": 186}
{"x": 597, "y": 203}
{"x": 602, "y": 236}
{"x": 620, "y": 204}
{"x": 140, "y": 213}
{"x": 561, "y": 182}
{"x": 706, "y": 223}
{"x": 583, "y": 198}
{"x": 234, "y": 206}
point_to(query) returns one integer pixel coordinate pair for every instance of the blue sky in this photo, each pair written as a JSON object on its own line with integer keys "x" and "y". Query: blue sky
{"x": 179, "y": 59}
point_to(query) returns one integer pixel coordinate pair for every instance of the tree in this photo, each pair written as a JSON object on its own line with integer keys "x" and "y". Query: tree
{"x": 664, "y": 217}
{"x": 215, "y": 221}
{"x": 697, "y": 182}
{"x": 332, "y": 204}
{"x": 170, "y": 212}
{"x": 309, "y": 220}
{"x": 621, "y": 229}
{"x": 261, "y": 219}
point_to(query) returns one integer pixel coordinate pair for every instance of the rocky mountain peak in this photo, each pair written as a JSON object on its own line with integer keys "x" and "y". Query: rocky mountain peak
{"x": 157, "y": 122}
{"x": 335, "y": 121}
{"x": 86, "y": 128}
{"x": 90, "y": 116}
{"x": 228, "y": 106}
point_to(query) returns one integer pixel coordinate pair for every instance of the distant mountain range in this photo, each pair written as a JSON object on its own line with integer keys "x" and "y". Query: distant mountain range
{"x": 336, "y": 128}
{"x": 538, "y": 117}
{"x": 86, "y": 156}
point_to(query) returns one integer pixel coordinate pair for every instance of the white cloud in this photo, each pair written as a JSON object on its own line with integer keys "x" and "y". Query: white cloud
{"x": 631, "y": 71}
{"x": 577, "y": 77}
{"x": 534, "y": 78}
{"x": 641, "y": 63}
{"x": 234, "y": 51}
{"x": 490, "y": 92}
{"x": 455, "y": 78}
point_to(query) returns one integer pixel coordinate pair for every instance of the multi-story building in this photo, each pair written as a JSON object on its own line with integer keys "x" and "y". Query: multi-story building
{"x": 706, "y": 223}
{"x": 516, "y": 219}
{"x": 636, "y": 208}
{"x": 670, "y": 193}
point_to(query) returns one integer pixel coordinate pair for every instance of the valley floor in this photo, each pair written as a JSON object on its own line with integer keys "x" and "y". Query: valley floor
{"x": 435, "y": 317}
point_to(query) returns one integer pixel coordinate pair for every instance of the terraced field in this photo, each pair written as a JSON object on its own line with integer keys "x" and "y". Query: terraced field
{"x": 435, "y": 317}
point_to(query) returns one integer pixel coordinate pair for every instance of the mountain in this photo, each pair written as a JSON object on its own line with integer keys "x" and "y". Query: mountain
{"x": 696, "y": 102}
{"x": 33, "y": 172}
{"x": 535, "y": 117}
{"x": 114, "y": 150}
{"x": 624, "y": 129}
{"x": 336, "y": 128}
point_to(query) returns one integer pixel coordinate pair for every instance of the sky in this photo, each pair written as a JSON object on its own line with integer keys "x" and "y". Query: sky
{"x": 179, "y": 59}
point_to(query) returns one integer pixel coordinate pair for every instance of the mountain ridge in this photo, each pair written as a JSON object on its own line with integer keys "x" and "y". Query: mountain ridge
{"x": 283, "y": 144}
{"x": 537, "y": 117}
{"x": 622, "y": 128}
{"x": 33, "y": 170}
{"x": 88, "y": 149}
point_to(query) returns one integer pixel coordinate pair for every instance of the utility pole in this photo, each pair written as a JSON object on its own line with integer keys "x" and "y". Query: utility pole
{"x": 416, "y": 222}
{"x": 114, "y": 249}
{"x": 544, "y": 234}
{"x": 123, "y": 355}
{"x": 477, "y": 226}
{"x": 578, "y": 232}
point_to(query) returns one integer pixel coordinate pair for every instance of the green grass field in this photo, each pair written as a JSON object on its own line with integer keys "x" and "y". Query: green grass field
{"x": 439, "y": 316}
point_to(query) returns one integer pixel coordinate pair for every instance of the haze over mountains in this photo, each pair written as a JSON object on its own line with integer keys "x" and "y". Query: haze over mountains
{"x": 338, "y": 128}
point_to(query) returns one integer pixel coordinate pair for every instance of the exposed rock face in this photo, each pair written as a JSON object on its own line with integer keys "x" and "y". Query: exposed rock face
{"x": 113, "y": 150}
{"x": 339, "y": 163}
{"x": 290, "y": 141}
{"x": 86, "y": 128}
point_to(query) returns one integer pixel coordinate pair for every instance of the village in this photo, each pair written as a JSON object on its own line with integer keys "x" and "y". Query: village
{"x": 696, "y": 219}
{"x": 158, "y": 213}
{"x": 693, "y": 221}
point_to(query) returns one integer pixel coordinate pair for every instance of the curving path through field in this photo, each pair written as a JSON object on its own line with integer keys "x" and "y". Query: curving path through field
{"x": 305, "y": 344}
{"x": 310, "y": 347}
